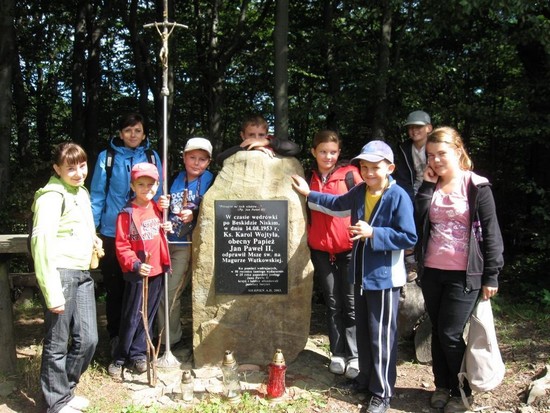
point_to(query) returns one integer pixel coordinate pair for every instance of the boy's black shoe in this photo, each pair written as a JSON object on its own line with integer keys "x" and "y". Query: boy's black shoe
{"x": 137, "y": 366}
{"x": 378, "y": 405}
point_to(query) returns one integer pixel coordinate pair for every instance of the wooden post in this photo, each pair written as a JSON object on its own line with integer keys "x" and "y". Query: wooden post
{"x": 9, "y": 244}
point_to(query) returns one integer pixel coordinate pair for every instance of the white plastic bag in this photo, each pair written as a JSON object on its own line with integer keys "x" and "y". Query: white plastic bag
{"x": 482, "y": 365}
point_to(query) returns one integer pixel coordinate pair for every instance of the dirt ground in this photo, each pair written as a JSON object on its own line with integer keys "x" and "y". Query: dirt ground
{"x": 525, "y": 360}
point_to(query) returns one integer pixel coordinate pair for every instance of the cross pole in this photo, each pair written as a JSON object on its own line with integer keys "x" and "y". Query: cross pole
{"x": 165, "y": 29}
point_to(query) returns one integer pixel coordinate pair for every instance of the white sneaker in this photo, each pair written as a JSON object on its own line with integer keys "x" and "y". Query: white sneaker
{"x": 352, "y": 369}
{"x": 79, "y": 403}
{"x": 69, "y": 409}
{"x": 337, "y": 365}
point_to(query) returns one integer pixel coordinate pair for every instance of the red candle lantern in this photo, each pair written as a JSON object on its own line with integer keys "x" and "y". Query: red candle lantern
{"x": 276, "y": 381}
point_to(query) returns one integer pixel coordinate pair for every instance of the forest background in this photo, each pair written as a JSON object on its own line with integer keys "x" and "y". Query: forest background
{"x": 68, "y": 70}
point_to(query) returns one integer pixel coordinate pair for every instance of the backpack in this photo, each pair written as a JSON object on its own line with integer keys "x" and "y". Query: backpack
{"x": 482, "y": 364}
{"x": 110, "y": 161}
{"x": 30, "y": 224}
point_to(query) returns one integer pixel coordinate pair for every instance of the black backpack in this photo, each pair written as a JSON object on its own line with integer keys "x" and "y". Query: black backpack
{"x": 110, "y": 161}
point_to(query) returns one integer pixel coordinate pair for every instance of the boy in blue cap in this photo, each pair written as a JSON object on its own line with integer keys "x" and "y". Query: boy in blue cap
{"x": 383, "y": 228}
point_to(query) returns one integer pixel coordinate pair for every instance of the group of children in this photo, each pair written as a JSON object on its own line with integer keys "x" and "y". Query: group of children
{"x": 361, "y": 224}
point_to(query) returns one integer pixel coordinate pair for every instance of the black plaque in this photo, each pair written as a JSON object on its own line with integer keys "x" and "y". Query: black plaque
{"x": 251, "y": 247}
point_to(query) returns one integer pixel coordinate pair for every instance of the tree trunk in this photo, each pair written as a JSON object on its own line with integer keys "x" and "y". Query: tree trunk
{"x": 281, "y": 69}
{"x": 331, "y": 73}
{"x": 7, "y": 47}
{"x": 78, "y": 74}
{"x": 381, "y": 85}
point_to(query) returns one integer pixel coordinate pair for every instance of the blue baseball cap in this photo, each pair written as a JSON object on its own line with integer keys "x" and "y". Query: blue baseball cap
{"x": 374, "y": 151}
{"x": 418, "y": 117}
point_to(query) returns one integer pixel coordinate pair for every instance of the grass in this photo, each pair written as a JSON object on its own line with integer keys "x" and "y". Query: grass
{"x": 521, "y": 327}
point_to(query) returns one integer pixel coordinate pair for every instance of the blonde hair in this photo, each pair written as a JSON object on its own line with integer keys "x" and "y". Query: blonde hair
{"x": 450, "y": 136}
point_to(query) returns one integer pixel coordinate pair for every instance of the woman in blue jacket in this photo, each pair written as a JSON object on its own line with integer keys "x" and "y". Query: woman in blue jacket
{"x": 110, "y": 191}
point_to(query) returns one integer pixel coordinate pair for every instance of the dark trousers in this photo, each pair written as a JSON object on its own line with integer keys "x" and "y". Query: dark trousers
{"x": 70, "y": 339}
{"x": 339, "y": 300}
{"x": 376, "y": 320}
{"x": 131, "y": 344}
{"x": 114, "y": 285}
{"x": 449, "y": 306}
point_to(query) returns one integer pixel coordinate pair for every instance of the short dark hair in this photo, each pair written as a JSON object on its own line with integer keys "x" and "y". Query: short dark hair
{"x": 131, "y": 119}
{"x": 254, "y": 120}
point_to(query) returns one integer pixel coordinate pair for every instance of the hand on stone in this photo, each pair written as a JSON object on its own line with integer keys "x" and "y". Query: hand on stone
{"x": 300, "y": 185}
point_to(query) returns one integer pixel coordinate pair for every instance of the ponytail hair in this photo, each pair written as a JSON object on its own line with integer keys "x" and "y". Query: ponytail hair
{"x": 450, "y": 136}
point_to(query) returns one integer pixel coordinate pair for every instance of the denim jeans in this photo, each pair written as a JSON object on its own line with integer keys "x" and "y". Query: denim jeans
{"x": 449, "y": 305}
{"x": 70, "y": 340}
{"x": 338, "y": 295}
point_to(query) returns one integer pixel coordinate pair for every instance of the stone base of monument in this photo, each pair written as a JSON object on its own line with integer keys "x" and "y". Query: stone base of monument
{"x": 252, "y": 275}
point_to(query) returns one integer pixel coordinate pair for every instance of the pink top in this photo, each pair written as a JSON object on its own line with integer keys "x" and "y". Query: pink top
{"x": 449, "y": 235}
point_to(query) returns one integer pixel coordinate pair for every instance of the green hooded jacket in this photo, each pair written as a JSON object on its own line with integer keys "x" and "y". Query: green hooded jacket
{"x": 62, "y": 236}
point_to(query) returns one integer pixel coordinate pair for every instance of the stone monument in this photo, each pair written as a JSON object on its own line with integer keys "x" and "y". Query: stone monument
{"x": 252, "y": 275}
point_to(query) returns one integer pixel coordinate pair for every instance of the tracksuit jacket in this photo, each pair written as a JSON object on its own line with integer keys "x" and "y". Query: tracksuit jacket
{"x": 485, "y": 246}
{"x": 377, "y": 263}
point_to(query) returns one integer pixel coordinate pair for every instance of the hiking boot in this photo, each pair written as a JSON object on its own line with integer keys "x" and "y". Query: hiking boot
{"x": 378, "y": 404}
{"x": 439, "y": 398}
{"x": 352, "y": 369}
{"x": 456, "y": 405}
{"x": 337, "y": 365}
{"x": 138, "y": 366}
{"x": 115, "y": 369}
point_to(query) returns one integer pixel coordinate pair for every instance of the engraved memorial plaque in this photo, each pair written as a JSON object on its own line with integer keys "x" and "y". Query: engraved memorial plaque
{"x": 251, "y": 247}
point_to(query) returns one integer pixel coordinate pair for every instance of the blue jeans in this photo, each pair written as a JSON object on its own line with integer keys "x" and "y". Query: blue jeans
{"x": 62, "y": 362}
{"x": 339, "y": 298}
{"x": 449, "y": 306}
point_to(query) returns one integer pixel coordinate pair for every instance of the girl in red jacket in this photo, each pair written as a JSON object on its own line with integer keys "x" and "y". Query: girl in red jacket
{"x": 330, "y": 245}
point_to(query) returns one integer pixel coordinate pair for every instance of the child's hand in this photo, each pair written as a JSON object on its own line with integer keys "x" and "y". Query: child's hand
{"x": 145, "y": 269}
{"x": 163, "y": 202}
{"x": 430, "y": 175}
{"x": 300, "y": 185}
{"x": 254, "y": 143}
{"x": 167, "y": 226}
{"x": 186, "y": 215}
{"x": 360, "y": 230}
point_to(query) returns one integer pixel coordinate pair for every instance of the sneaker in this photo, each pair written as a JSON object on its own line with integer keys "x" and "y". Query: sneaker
{"x": 439, "y": 398}
{"x": 352, "y": 369}
{"x": 337, "y": 365}
{"x": 115, "y": 369}
{"x": 138, "y": 366}
{"x": 69, "y": 409}
{"x": 378, "y": 404}
{"x": 456, "y": 405}
{"x": 79, "y": 403}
